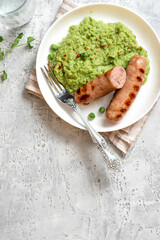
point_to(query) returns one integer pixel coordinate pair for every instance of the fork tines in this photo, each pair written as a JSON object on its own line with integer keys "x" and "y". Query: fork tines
{"x": 52, "y": 80}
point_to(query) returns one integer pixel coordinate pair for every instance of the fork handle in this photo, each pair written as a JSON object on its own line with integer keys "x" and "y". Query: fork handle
{"x": 112, "y": 160}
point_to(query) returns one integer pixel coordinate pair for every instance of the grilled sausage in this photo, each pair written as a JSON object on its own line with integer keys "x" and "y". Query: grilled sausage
{"x": 99, "y": 87}
{"x": 124, "y": 97}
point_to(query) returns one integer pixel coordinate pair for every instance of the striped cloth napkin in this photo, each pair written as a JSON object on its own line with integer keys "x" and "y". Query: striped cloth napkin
{"x": 123, "y": 139}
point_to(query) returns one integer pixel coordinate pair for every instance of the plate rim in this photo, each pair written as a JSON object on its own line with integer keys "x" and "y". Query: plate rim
{"x": 75, "y": 123}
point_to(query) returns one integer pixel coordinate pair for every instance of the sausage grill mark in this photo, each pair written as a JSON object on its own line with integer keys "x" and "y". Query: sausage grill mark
{"x": 132, "y": 95}
{"x": 84, "y": 88}
{"x": 128, "y": 102}
{"x": 92, "y": 86}
{"x": 123, "y": 110}
{"x": 118, "y": 116}
{"x": 136, "y": 88}
{"x": 139, "y": 79}
{"x": 84, "y": 97}
{"x": 141, "y": 70}
{"x": 78, "y": 91}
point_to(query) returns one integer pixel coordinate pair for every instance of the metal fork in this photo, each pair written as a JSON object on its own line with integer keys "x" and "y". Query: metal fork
{"x": 112, "y": 160}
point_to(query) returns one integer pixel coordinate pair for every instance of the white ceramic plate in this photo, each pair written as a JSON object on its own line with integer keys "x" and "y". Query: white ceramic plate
{"x": 145, "y": 36}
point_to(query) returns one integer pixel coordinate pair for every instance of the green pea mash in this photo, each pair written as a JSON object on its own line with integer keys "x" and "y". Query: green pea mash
{"x": 92, "y": 48}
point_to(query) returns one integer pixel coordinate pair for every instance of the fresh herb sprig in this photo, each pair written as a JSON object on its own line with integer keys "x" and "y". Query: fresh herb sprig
{"x": 14, "y": 45}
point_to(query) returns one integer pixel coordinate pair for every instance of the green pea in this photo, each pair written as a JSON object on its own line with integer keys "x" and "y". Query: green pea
{"x": 84, "y": 55}
{"x": 51, "y": 56}
{"x": 54, "y": 47}
{"x": 91, "y": 116}
{"x": 102, "y": 110}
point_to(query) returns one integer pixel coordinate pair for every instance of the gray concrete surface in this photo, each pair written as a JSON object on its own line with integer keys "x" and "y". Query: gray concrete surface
{"x": 55, "y": 188}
